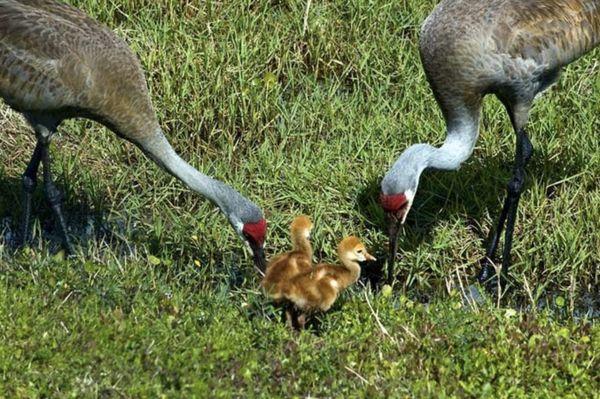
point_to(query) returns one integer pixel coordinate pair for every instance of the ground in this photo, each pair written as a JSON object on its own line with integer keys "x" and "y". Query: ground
{"x": 302, "y": 112}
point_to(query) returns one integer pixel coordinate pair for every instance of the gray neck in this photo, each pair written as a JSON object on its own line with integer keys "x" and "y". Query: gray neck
{"x": 457, "y": 148}
{"x": 225, "y": 197}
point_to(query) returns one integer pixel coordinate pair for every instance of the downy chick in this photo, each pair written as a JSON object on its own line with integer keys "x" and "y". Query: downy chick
{"x": 319, "y": 288}
{"x": 283, "y": 267}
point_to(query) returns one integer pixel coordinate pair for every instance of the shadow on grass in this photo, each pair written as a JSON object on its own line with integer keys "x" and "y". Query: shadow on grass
{"x": 96, "y": 230}
{"x": 86, "y": 221}
{"x": 476, "y": 190}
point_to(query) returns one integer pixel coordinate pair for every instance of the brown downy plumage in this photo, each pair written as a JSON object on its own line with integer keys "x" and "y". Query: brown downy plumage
{"x": 319, "y": 288}
{"x": 283, "y": 267}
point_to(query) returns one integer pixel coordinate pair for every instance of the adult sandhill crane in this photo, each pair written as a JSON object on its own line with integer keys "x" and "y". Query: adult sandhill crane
{"x": 57, "y": 63}
{"x": 469, "y": 48}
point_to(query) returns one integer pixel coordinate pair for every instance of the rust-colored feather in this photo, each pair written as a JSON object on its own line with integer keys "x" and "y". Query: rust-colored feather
{"x": 553, "y": 32}
{"x": 514, "y": 48}
{"x": 56, "y": 60}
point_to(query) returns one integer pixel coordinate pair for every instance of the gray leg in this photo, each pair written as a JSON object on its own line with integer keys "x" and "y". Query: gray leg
{"x": 487, "y": 263}
{"x": 53, "y": 194}
{"x": 508, "y": 215}
{"x": 29, "y": 180}
{"x": 515, "y": 188}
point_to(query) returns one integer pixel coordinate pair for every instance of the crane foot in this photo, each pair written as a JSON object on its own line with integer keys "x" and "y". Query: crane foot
{"x": 487, "y": 270}
{"x": 488, "y": 277}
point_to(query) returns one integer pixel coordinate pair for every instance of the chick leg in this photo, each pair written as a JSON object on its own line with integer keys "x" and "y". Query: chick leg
{"x": 301, "y": 320}
{"x": 289, "y": 316}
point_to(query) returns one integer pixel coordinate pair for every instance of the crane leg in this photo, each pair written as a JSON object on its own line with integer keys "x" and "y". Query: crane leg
{"x": 29, "y": 181}
{"x": 508, "y": 214}
{"x": 53, "y": 195}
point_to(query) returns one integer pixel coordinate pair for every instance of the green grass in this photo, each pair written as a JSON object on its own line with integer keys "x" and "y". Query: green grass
{"x": 299, "y": 121}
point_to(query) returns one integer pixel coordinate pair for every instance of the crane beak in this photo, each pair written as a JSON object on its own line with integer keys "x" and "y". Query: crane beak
{"x": 394, "y": 223}
{"x": 258, "y": 253}
{"x": 396, "y": 207}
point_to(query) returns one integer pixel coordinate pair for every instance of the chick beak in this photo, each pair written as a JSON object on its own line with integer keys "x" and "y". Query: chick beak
{"x": 370, "y": 257}
{"x": 393, "y": 228}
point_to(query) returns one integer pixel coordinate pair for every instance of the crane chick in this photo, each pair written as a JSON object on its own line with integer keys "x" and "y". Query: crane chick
{"x": 283, "y": 267}
{"x": 318, "y": 289}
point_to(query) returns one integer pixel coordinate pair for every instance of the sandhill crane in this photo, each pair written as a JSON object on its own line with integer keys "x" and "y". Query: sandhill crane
{"x": 57, "y": 63}
{"x": 469, "y": 48}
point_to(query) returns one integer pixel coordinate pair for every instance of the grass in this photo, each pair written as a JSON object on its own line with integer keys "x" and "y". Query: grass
{"x": 162, "y": 298}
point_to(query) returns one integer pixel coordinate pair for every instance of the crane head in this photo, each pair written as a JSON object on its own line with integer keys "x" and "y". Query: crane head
{"x": 395, "y": 206}
{"x": 255, "y": 234}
